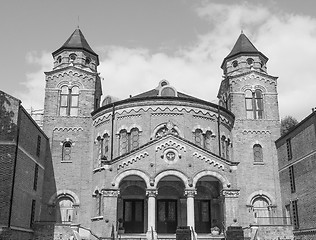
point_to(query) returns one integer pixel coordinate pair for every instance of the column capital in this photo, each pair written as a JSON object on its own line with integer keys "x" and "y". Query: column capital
{"x": 190, "y": 192}
{"x": 230, "y": 193}
{"x": 151, "y": 192}
{"x": 110, "y": 192}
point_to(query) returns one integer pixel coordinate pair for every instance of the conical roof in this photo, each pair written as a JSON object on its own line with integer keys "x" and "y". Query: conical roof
{"x": 243, "y": 46}
{"x": 76, "y": 41}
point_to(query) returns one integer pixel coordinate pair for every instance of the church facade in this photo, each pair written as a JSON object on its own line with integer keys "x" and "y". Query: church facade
{"x": 160, "y": 159}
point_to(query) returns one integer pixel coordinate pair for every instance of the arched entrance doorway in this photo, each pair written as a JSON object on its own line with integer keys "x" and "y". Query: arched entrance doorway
{"x": 208, "y": 210}
{"x": 171, "y": 204}
{"x": 132, "y": 207}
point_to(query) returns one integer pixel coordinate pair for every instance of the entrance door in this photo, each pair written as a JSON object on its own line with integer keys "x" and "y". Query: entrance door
{"x": 133, "y": 215}
{"x": 202, "y": 216}
{"x": 167, "y": 216}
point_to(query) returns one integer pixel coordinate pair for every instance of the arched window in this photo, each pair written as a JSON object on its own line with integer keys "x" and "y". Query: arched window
{"x": 227, "y": 148}
{"x": 69, "y": 101}
{"x": 134, "y": 139}
{"x": 208, "y": 140}
{"x": 66, "y": 151}
{"x": 198, "y": 137}
{"x": 64, "y": 209}
{"x": 223, "y": 146}
{"x": 260, "y": 210}
{"x": 254, "y": 104}
{"x": 98, "y": 203}
{"x": 129, "y": 140}
{"x": 123, "y": 142}
{"x": 257, "y": 153}
{"x": 165, "y": 129}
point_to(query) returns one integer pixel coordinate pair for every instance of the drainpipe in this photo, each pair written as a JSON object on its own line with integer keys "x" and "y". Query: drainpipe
{"x": 14, "y": 164}
{"x": 219, "y": 133}
{"x": 112, "y": 129}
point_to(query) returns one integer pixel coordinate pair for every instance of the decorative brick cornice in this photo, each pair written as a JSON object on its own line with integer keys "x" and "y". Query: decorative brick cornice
{"x": 265, "y": 79}
{"x": 129, "y": 116}
{"x": 77, "y": 72}
{"x": 166, "y": 114}
{"x": 67, "y": 129}
{"x": 208, "y": 160}
{"x": 170, "y": 143}
{"x": 132, "y": 160}
{"x": 256, "y": 132}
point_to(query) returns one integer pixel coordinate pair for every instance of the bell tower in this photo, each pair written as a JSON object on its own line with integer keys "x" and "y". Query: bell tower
{"x": 250, "y": 93}
{"x": 72, "y": 92}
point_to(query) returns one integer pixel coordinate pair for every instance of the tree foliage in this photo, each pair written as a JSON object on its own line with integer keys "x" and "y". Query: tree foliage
{"x": 287, "y": 123}
{"x": 7, "y": 125}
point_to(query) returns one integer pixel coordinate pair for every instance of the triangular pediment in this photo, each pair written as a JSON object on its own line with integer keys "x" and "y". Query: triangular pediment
{"x": 177, "y": 146}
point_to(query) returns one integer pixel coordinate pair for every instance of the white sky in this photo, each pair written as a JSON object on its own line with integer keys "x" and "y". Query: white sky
{"x": 140, "y": 42}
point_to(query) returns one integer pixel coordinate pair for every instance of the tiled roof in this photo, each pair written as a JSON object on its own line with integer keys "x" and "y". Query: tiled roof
{"x": 76, "y": 41}
{"x": 155, "y": 92}
{"x": 243, "y": 45}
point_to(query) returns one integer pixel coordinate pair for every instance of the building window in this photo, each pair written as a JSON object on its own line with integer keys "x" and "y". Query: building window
{"x": 208, "y": 140}
{"x": 166, "y": 129}
{"x": 261, "y": 211}
{"x": 32, "y": 213}
{"x": 198, "y": 137}
{"x": 128, "y": 140}
{"x": 254, "y": 104}
{"x": 223, "y": 147}
{"x": 72, "y": 57}
{"x": 38, "y": 147}
{"x": 134, "y": 139}
{"x": 35, "y": 177}
{"x": 257, "y": 153}
{"x": 123, "y": 142}
{"x": 66, "y": 151}
{"x": 103, "y": 149}
{"x": 69, "y": 101}
{"x": 295, "y": 215}
{"x": 98, "y": 203}
{"x": 59, "y": 59}
{"x": 64, "y": 209}
{"x": 289, "y": 149}
{"x": 249, "y": 61}
{"x": 292, "y": 179}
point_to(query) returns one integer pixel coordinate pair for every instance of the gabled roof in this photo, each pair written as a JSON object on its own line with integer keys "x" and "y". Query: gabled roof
{"x": 243, "y": 46}
{"x": 155, "y": 93}
{"x": 76, "y": 41}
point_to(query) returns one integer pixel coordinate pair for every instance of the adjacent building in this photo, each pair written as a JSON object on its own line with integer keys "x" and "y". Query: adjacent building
{"x": 23, "y": 149}
{"x": 297, "y": 157}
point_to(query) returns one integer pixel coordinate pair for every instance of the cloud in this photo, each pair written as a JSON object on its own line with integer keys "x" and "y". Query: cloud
{"x": 287, "y": 39}
{"x": 34, "y": 86}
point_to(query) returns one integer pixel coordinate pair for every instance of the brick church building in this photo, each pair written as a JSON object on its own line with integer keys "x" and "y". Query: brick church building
{"x": 160, "y": 159}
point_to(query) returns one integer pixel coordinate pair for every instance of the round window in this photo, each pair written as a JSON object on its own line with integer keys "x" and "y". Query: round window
{"x": 235, "y": 63}
{"x": 250, "y": 61}
{"x": 87, "y": 61}
{"x": 72, "y": 56}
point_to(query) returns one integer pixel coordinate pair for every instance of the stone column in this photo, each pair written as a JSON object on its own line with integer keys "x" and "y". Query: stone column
{"x": 231, "y": 205}
{"x": 110, "y": 209}
{"x": 189, "y": 193}
{"x": 151, "y": 225}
